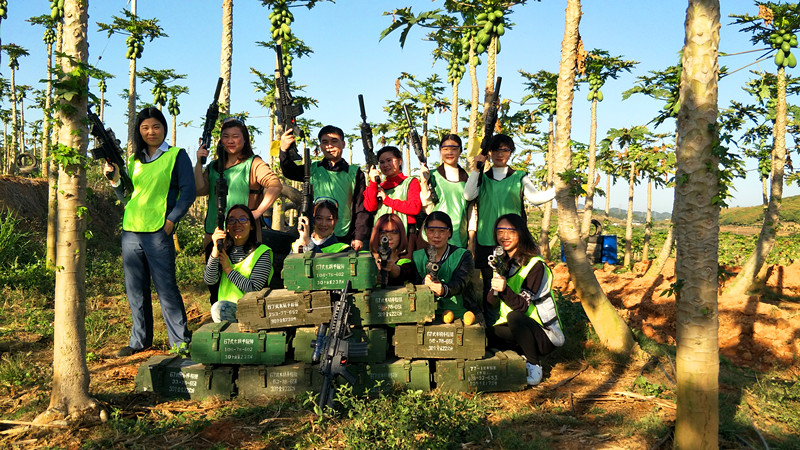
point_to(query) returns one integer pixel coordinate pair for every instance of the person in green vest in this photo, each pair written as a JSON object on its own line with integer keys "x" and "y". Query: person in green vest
{"x": 250, "y": 180}
{"x": 452, "y": 283}
{"x": 500, "y": 190}
{"x": 397, "y": 194}
{"x": 322, "y": 238}
{"x": 163, "y": 191}
{"x": 397, "y": 269}
{"x": 246, "y": 263}
{"x": 450, "y": 182}
{"x": 528, "y": 317}
{"x": 333, "y": 177}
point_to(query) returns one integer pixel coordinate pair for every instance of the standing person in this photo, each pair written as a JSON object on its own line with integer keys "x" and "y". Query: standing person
{"x": 333, "y": 177}
{"x": 500, "y": 191}
{"x": 398, "y": 268}
{"x": 397, "y": 194}
{"x": 452, "y": 285}
{"x": 320, "y": 237}
{"x": 246, "y": 263}
{"x": 528, "y": 316}
{"x": 163, "y": 191}
{"x": 250, "y": 181}
{"x": 450, "y": 182}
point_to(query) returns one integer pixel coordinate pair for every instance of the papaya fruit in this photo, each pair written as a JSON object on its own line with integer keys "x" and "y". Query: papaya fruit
{"x": 469, "y": 318}
{"x": 786, "y": 47}
{"x": 448, "y": 316}
{"x": 779, "y": 58}
{"x": 790, "y": 60}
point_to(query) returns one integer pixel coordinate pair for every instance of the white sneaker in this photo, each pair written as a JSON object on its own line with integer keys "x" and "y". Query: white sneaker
{"x": 534, "y": 373}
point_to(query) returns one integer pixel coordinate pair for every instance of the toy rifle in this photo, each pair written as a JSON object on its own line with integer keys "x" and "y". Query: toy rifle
{"x": 333, "y": 350}
{"x": 285, "y": 108}
{"x": 489, "y": 122}
{"x": 307, "y": 207}
{"x": 498, "y": 262}
{"x": 384, "y": 253}
{"x": 109, "y": 149}
{"x": 212, "y": 113}
{"x": 415, "y": 141}
{"x": 222, "y": 198}
{"x": 366, "y": 139}
{"x": 432, "y": 266}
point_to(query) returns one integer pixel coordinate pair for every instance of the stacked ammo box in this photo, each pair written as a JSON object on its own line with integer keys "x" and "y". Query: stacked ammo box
{"x": 268, "y": 353}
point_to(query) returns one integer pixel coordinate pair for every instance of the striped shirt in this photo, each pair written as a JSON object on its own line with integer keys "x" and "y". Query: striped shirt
{"x": 258, "y": 277}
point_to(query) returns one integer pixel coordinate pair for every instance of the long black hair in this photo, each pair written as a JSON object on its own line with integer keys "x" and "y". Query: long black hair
{"x": 230, "y": 122}
{"x": 451, "y": 137}
{"x": 252, "y": 239}
{"x": 526, "y": 248}
{"x": 139, "y": 145}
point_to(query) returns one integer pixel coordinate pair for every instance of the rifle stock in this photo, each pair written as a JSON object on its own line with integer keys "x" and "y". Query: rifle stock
{"x": 109, "y": 149}
{"x": 212, "y": 113}
{"x": 489, "y": 122}
{"x": 366, "y": 138}
{"x": 423, "y": 161}
{"x": 285, "y": 108}
{"x": 307, "y": 207}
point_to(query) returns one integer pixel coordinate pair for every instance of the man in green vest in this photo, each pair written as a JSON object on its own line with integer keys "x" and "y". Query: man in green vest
{"x": 333, "y": 177}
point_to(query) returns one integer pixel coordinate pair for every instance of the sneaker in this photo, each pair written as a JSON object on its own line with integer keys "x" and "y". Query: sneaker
{"x": 534, "y": 373}
{"x": 127, "y": 351}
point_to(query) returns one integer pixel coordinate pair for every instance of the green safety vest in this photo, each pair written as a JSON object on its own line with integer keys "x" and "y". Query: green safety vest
{"x": 497, "y": 198}
{"x": 238, "y": 178}
{"x": 399, "y": 192}
{"x": 339, "y": 185}
{"x": 335, "y": 248}
{"x": 453, "y": 303}
{"x": 451, "y": 202}
{"x": 146, "y": 211}
{"x": 515, "y": 284}
{"x": 227, "y": 290}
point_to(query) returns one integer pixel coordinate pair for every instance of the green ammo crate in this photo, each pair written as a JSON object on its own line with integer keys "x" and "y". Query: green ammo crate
{"x": 224, "y": 343}
{"x": 505, "y": 371}
{"x": 264, "y": 382}
{"x": 408, "y": 304}
{"x": 177, "y": 377}
{"x": 376, "y": 339}
{"x": 279, "y": 308}
{"x": 441, "y": 341}
{"x": 315, "y": 271}
{"x": 403, "y": 374}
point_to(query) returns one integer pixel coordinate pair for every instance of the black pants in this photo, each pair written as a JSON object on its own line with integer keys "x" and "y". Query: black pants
{"x": 521, "y": 332}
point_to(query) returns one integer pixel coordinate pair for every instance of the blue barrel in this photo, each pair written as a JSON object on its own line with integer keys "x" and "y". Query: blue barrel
{"x": 609, "y": 253}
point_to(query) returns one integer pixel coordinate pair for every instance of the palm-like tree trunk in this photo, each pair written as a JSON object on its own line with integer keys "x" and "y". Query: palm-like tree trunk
{"x": 70, "y": 398}
{"x": 608, "y": 194}
{"x": 50, "y": 172}
{"x": 611, "y": 329}
{"x": 648, "y": 222}
{"x": 765, "y": 192}
{"x": 588, "y": 203}
{"x": 544, "y": 231}
{"x": 12, "y": 151}
{"x": 491, "y": 70}
{"x": 697, "y": 230}
{"x": 131, "y": 94}
{"x": 472, "y": 144}
{"x": 454, "y": 108}
{"x": 629, "y": 217}
{"x": 226, "y": 56}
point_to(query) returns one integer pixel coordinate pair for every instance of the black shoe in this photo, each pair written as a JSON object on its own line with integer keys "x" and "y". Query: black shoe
{"x": 127, "y": 351}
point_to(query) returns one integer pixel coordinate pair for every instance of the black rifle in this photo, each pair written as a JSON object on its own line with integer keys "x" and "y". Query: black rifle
{"x": 109, "y": 149}
{"x": 384, "y": 253}
{"x": 432, "y": 266}
{"x": 307, "y": 208}
{"x": 414, "y": 137}
{"x": 489, "y": 121}
{"x": 222, "y": 198}
{"x": 285, "y": 108}
{"x": 498, "y": 262}
{"x": 212, "y": 113}
{"x": 333, "y": 350}
{"x": 366, "y": 139}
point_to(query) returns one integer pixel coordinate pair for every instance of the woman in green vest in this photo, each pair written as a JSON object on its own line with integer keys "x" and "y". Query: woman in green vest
{"x": 452, "y": 281}
{"x": 246, "y": 263}
{"x": 163, "y": 191}
{"x": 250, "y": 180}
{"x": 389, "y": 237}
{"x": 322, "y": 237}
{"x": 528, "y": 314}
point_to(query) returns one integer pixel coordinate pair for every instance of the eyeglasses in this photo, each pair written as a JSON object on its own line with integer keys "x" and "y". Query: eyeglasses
{"x": 241, "y": 220}
{"x": 450, "y": 147}
{"x": 499, "y": 150}
{"x": 505, "y": 231}
{"x": 233, "y": 119}
{"x": 436, "y": 230}
{"x": 385, "y": 232}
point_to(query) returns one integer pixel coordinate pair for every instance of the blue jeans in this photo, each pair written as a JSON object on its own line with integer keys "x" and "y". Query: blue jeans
{"x": 146, "y": 256}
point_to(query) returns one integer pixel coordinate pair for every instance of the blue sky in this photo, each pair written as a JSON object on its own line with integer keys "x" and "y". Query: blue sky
{"x": 349, "y": 59}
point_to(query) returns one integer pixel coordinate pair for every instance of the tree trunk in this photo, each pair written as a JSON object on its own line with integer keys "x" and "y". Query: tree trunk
{"x": 175, "y": 134}
{"x": 544, "y": 231}
{"x": 765, "y": 192}
{"x": 47, "y": 169}
{"x": 131, "y": 94}
{"x": 12, "y": 151}
{"x": 629, "y": 217}
{"x": 69, "y": 398}
{"x": 697, "y": 231}
{"x": 454, "y": 108}
{"x": 608, "y": 194}
{"x": 648, "y": 222}
{"x": 472, "y": 139}
{"x": 226, "y": 56}
{"x": 491, "y": 65}
{"x": 423, "y": 138}
{"x": 588, "y": 203}
{"x": 746, "y": 278}
{"x": 658, "y": 265}
{"x": 611, "y": 329}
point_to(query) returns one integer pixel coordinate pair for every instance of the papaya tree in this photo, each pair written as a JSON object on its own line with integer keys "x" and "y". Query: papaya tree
{"x": 696, "y": 216}
{"x": 102, "y": 88}
{"x": 69, "y": 398}
{"x": 160, "y": 78}
{"x": 225, "y": 59}
{"x": 14, "y": 53}
{"x": 614, "y": 334}
{"x": 450, "y": 48}
{"x": 657, "y": 166}
{"x": 775, "y": 26}
{"x": 49, "y": 39}
{"x": 174, "y": 108}
{"x": 137, "y": 31}
{"x": 426, "y": 95}
{"x": 599, "y": 67}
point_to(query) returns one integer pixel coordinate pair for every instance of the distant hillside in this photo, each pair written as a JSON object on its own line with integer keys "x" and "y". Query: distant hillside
{"x": 754, "y": 215}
